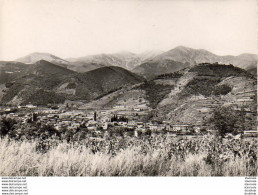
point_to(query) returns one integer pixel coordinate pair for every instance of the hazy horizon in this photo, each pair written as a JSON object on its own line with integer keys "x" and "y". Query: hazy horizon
{"x": 124, "y": 51}
{"x": 76, "y": 28}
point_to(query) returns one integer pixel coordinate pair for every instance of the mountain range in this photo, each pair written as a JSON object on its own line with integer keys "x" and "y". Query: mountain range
{"x": 124, "y": 59}
{"x": 182, "y": 57}
{"x": 147, "y": 64}
{"x": 42, "y": 78}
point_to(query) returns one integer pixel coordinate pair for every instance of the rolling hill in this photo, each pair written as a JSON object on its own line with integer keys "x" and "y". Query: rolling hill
{"x": 23, "y": 84}
{"x": 93, "y": 84}
{"x": 190, "y": 96}
{"x": 205, "y": 87}
{"x": 153, "y": 68}
{"x": 44, "y": 83}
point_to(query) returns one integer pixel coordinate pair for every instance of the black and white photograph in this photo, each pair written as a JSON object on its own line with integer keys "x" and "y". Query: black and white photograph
{"x": 120, "y": 88}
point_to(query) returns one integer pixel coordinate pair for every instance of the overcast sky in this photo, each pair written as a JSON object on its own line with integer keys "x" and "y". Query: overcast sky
{"x": 75, "y": 28}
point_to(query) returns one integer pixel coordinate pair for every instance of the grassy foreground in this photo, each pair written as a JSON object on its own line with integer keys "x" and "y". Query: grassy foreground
{"x": 158, "y": 156}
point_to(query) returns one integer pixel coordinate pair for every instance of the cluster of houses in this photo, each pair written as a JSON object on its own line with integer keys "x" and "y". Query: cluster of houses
{"x": 101, "y": 121}
{"x": 94, "y": 121}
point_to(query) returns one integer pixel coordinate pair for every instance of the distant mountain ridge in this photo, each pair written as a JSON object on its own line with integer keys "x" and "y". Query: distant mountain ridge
{"x": 197, "y": 56}
{"x": 148, "y": 64}
{"x": 189, "y": 57}
{"x": 124, "y": 59}
{"x": 37, "y": 56}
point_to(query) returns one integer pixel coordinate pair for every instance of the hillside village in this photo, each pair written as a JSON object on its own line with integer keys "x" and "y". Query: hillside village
{"x": 99, "y": 120}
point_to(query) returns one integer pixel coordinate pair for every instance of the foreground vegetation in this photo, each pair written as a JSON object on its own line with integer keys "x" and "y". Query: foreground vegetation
{"x": 156, "y": 155}
{"x": 34, "y": 149}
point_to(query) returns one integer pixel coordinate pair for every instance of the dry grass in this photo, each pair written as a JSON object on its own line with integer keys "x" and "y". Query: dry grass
{"x": 22, "y": 159}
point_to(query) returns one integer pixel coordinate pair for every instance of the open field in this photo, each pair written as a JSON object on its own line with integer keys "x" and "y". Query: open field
{"x": 129, "y": 156}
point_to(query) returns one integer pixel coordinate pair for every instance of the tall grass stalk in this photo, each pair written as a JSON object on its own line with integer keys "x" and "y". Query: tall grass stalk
{"x": 22, "y": 159}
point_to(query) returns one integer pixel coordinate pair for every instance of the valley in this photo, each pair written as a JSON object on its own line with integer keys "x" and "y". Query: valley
{"x": 170, "y": 111}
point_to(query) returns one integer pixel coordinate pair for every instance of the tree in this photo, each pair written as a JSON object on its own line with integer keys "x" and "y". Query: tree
{"x": 227, "y": 120}
{"x": 7, "y": 125}
{"x": 95, "y": 116}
